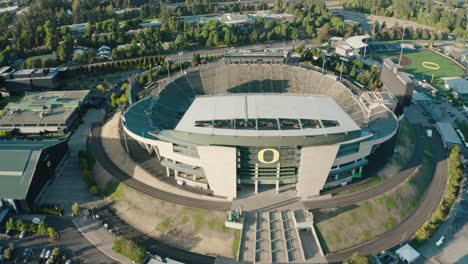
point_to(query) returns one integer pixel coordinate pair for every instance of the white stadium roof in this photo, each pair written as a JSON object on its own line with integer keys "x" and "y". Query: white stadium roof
{"x": 357, "y": 42}
{"x": 278, "y": 108}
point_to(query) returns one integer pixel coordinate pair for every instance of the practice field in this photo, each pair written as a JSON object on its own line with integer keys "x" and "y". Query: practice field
{"x": 425, "y": 63}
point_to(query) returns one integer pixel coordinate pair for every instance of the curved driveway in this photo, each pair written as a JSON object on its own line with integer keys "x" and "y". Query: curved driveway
{"x": 410, "y": 168}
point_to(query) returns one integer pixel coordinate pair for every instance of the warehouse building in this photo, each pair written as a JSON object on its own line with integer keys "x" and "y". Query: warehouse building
{"x": 25, "y": 167}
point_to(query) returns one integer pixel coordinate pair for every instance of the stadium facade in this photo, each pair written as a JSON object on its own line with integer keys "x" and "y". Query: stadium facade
{"x": 221, "y": 126}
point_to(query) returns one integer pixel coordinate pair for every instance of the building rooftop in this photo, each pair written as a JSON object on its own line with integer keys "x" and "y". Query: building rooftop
{"x": 357, "y": 42}
{"x": 265, "y": 115}
{"x": 458, "y": 84}
{"x": 18, "y": 161}
{"x": 43, "y": 108}
{"x": 448, "y": 133}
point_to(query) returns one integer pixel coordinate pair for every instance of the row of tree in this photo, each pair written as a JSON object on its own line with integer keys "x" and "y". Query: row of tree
{"x": 41, "y": 228}
{"x": 455, "y": 172}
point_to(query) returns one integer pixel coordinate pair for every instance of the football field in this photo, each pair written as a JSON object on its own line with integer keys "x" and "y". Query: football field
{"x": 424, "y": 64}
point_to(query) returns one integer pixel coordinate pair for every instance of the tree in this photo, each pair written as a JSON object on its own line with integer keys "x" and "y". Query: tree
{"x": 5, "y": 134}
{"x": 10, "y": 225}
{"x": 56, "y": 251}
{"x": 358, "y": 259}
{"x": 42, "y": 228}
{"x": 21, "y": 226}
{"x": 8, "y": 253}
{"x": 353, "y": 71}
{"x": 76, "y": 209}
{"x": 94, "y": 190}
{"x": 52, "y": 233}
{"x": 33, "y": 228}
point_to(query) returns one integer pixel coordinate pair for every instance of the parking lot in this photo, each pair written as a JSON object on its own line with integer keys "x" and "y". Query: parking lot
{"x": 72, "y": 245}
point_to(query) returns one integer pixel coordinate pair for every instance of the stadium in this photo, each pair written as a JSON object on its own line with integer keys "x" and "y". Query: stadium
{"x": 263, "y": 123}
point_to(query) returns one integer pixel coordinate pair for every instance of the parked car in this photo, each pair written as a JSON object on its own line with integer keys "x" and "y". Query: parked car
{"x": 22, "y": 234}
{"x": 43, "y": 253}
{"x": 48, "y": 253}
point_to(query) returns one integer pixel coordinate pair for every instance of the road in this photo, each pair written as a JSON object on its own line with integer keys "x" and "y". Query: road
{"x": 411, "y": 167}
{"x": 70, "y": 241}
{"x": 122, "y": 176}
{"x": 406, "y": 229}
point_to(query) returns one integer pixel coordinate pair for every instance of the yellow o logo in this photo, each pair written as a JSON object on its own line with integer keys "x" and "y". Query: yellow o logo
{"x": 261, "y": 156}
{"x": 430, "y": 65}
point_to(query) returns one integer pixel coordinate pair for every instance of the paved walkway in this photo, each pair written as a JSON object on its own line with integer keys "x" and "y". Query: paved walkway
{"x": 68, "y": 186}
{"x": 99, "y": 237}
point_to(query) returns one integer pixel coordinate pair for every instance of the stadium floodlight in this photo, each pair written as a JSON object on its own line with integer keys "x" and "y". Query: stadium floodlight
{"x": 401, "y": 44}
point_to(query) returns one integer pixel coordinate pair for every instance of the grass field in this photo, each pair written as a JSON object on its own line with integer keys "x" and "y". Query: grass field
{"x": 415, "y": 65}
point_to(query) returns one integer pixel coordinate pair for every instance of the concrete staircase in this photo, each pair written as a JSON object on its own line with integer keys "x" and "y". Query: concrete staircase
{"x": 270, "y": 237}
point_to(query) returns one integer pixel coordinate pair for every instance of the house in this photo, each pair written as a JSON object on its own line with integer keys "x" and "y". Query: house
{"x": 104, "y": 52}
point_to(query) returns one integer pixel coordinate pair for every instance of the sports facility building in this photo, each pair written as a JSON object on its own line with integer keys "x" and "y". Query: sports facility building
{"x": 225, "y": 125}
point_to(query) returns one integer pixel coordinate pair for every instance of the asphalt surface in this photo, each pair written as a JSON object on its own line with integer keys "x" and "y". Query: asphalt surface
{"x": 410, "y": 168}
{"x": 122, "y": 176}
{"x": 407, "y": 228}
{"x": 154, "y": 246}
{"x": 76, "y": 246}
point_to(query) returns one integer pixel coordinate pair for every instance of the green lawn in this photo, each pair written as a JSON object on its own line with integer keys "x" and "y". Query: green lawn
{"x": 446, "y": 67}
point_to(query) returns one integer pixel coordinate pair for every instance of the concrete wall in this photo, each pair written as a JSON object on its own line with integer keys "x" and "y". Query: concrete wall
{"x": 315, "y": 166}
{"x": 220, "y": 168}
{"x": 219, "y": 163}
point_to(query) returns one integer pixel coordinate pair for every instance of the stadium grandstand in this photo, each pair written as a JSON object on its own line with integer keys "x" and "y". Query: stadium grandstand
{"x": 225, "y": 125}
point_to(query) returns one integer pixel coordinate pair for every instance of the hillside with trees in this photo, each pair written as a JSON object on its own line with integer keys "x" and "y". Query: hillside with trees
{"x": 447, "y": 16}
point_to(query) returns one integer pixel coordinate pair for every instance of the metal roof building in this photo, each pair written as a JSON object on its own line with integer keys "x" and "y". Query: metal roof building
{"x": 449, "y": 135}
{"x": 55, "y": 112}
{"x": 25, "y": 166}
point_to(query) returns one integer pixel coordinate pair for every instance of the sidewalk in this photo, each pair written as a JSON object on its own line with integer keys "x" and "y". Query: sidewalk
{"x": 99, "y": 237}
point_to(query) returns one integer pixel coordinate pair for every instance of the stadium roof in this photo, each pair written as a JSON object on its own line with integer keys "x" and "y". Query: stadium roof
{"x": 265, "y": 115}
{"x": 357, "y": 42}
{"x": 18, "y": 160}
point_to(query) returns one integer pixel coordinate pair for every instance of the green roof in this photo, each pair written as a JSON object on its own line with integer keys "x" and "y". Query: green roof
{"x": 18, "y": 161}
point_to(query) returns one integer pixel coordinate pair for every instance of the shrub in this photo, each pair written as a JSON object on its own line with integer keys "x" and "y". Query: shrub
{"x": 130, "y": 249}
{"x": 76, "y": 209}
{"x": 94, "y": 190}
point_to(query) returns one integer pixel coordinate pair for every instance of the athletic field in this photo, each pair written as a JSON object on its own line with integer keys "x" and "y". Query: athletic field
{"x": 424, "y": 64}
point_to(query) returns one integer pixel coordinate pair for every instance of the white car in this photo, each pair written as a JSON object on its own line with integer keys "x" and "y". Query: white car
{"x": 22, "y": 234}
{"x": 48, "y": 253}
{"x": 43, "y": 253}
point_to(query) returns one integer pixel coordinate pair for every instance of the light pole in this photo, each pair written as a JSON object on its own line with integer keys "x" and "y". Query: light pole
{"x": 341, "y": 69}
{"x": 401, "y": 45}
{"x": 323, "y": 62}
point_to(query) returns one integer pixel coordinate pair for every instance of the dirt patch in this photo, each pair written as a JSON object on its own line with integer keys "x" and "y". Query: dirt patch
{"x": 197, "y": 230}
{"x": 405, "y": 61}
